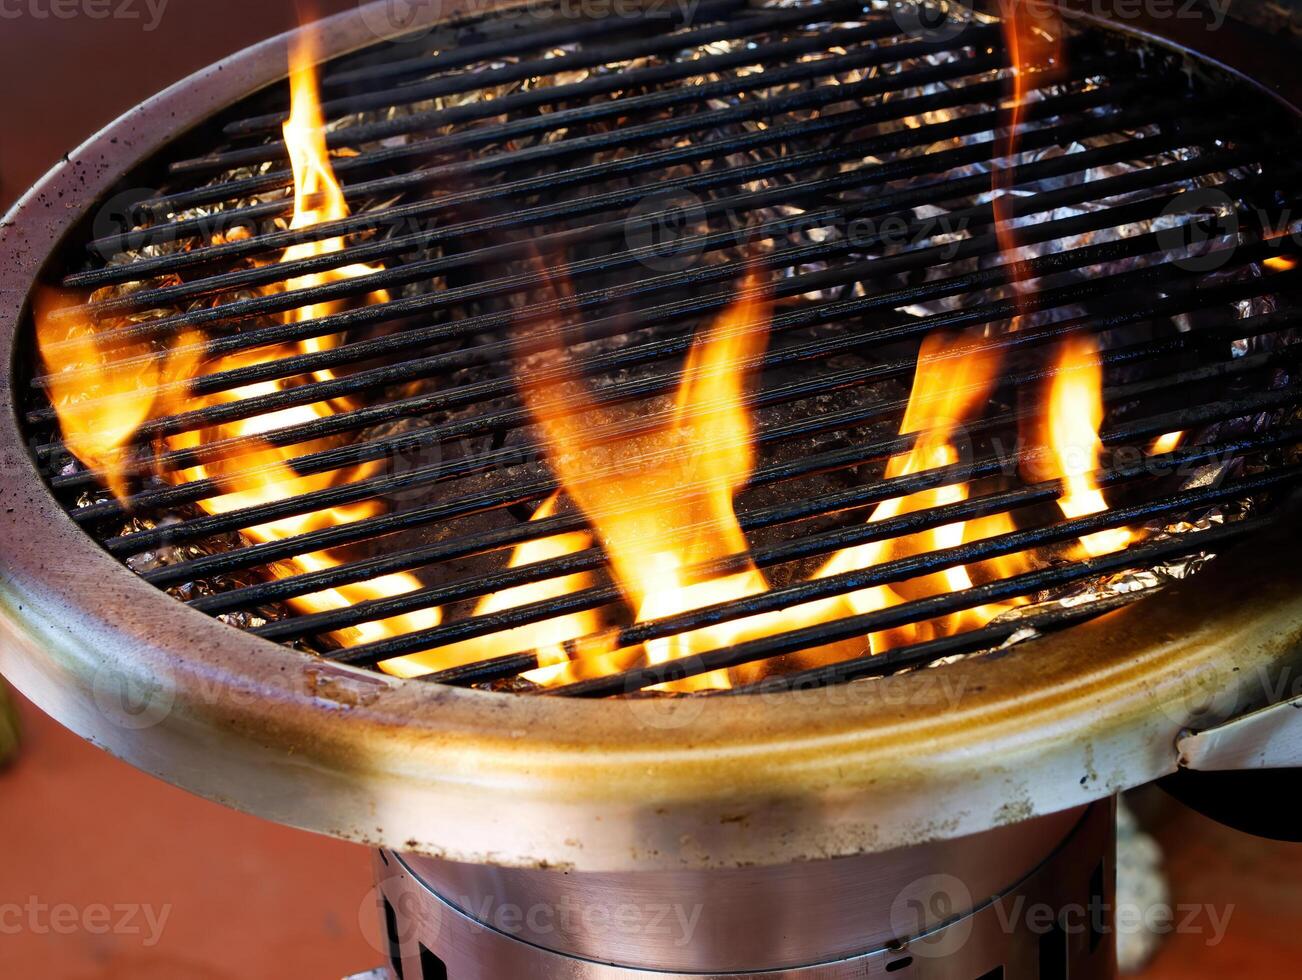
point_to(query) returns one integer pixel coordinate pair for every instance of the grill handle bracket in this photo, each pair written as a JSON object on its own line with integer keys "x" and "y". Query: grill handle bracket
{"x": 1270, "y": 738}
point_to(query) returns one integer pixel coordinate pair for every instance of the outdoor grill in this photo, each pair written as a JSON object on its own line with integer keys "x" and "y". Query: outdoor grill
{"x": 408, "y": 624}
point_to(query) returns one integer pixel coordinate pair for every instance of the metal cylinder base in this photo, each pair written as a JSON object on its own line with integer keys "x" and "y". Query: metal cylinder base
{"x": 1027, "y": 902}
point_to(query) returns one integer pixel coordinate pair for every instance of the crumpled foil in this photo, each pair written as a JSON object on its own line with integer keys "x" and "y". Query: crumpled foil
{"x": 1136, "y": 581}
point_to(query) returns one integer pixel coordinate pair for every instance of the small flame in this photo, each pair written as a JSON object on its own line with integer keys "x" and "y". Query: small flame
{"x": 100, "y": 406}
{"x": 1281, "y": 263}
{"x": 1165, "y": 443}
{"x": 1075, "y": 412}
{"x": 1034, "y": 41}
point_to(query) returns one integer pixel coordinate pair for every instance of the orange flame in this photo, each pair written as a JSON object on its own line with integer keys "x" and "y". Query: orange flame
{"x": 669, "y": 507}
{"x": 952, "y": 384}
{"x": 1165, "y": 443}
{"x": 1034, "y": 41}
{"x": 547, "y": 638}
{"x": 265, "y": 476}
{"x": 101, "y": 407}
{"x": 661, "y": 504}
{"x": 1075, "y": 412}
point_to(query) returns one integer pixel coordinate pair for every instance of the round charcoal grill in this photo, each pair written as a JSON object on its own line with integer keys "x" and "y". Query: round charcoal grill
{"x": 622, "y": 183}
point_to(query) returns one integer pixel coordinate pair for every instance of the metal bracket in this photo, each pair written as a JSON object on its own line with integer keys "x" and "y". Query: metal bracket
{"x": 1267, "y": 739}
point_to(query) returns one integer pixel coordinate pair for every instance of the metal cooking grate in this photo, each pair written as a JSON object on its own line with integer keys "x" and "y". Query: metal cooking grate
{"x": 757, "y": 135}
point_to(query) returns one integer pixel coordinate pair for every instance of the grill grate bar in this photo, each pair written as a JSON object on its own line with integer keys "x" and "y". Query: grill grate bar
{"x": 413, "y": 340}
{"x": 713, "y": 149}
{"x": 923, "y": 654}
{"x": 254, "y": 555}
{"x": 319, "y": 391}
{"x": 458, "y": 143}
{"x": 142, "y": 540}
{"x": 788, "y": 596}
{"x": 200, "y": 489}
{"x": 522, "y": 102}
{"x": 915, "y": 655}
{"x": 488, "y": 78}
{"x": 888, "y": 204}
{"x": 922, "y": 609}
{"x": 528, "y": 37}
{"x": 909, "y": 139}
{"x": 798, "y": 120}
{"x": 824, "y": 543}
{"x": 1134, "y": 149}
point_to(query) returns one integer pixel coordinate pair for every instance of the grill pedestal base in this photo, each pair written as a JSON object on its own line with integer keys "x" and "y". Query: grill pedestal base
{"x": 1048, "y": 918}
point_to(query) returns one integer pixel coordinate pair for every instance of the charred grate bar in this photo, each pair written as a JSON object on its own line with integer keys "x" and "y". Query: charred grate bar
{"x": 507, "y": 194}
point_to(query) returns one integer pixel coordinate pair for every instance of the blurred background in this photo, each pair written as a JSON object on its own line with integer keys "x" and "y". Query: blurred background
{"x": 230, "y": 896}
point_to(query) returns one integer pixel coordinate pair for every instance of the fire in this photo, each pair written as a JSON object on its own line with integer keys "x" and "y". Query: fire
{"x": 318, "y": 198}
{"x": 1033, "y": 36}
{"x": 116, "y": 404}
{"x": 1165, "y": 443}
{"x": 265, "y": 476}
{"x": 672, "y": 508}
{"x": 951, "y": 386}
{"x": 1281, "y": 263}
{"x": 1075, "y": 412}
{"x": 660, "y": 504}
{"x": 547, "y": 638}
{"x": 100, "y": 408}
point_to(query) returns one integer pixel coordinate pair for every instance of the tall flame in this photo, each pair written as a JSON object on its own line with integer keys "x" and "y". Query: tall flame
{"x": 265, "y": 476}
{"x": 1075, "y": 451}
{"x": 667, "y": 504}
{"x": 954, "y": 380}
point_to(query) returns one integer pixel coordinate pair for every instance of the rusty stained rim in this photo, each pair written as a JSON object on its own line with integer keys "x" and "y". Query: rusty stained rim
{"x": 592, "y": 785}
